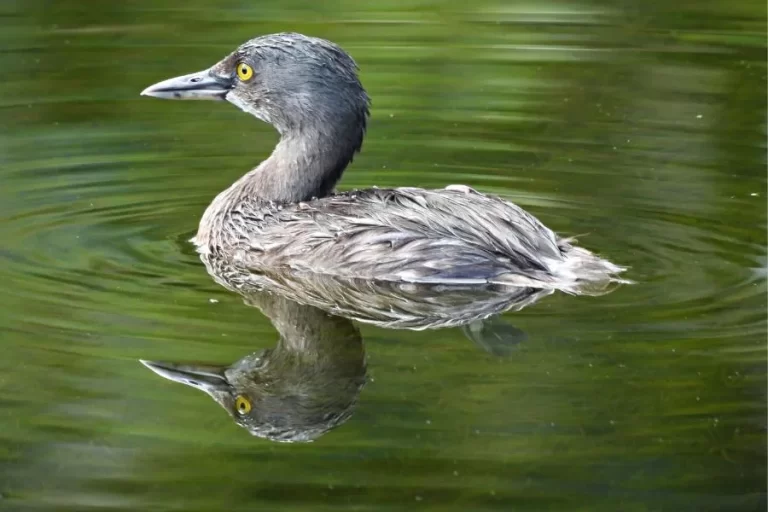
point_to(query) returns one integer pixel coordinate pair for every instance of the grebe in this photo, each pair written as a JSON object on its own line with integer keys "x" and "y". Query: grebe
{"x": 284, "y": 214}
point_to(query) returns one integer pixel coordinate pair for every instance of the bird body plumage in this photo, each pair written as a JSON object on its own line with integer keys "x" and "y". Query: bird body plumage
{"x": 451, "y": 236}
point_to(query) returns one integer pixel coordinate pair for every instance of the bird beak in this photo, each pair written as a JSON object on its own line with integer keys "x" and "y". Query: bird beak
{"x": 205, "y": 85}
{"x": 209, "y": 379}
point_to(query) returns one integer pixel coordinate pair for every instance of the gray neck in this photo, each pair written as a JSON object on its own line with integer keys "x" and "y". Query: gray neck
{"x": 299, "y": 169}
{"x": 304, "y": 165}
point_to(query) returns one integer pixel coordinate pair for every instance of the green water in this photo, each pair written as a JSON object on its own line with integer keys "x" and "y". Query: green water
{"x": 641, "y": 124}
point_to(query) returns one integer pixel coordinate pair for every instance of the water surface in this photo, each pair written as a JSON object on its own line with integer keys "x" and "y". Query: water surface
{"x": 640, "y": 127}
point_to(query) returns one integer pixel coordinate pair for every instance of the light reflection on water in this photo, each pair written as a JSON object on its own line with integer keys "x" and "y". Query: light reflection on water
{"x": 643, "y": 127}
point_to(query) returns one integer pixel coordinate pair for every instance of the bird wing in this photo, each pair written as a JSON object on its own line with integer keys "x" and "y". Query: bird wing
{"x": 453, "y": 235}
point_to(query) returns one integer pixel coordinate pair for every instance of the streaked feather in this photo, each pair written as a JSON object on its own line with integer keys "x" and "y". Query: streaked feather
{"x": 412, "y": 235}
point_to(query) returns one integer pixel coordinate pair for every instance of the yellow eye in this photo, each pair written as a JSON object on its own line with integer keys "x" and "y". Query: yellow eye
{"x": 242, "y": 404}
{"x": 244, "y": 71}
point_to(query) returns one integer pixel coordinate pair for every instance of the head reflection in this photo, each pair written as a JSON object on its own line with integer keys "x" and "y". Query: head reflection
{"x": 305, "y": 386}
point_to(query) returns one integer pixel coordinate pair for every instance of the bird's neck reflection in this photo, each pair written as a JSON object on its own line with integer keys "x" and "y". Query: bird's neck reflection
{"x": 297, "y": 391}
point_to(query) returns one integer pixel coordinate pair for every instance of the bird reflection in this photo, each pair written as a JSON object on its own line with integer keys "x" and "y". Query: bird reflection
{"x": 297, "y": 391}
{"x": 310, "y": 382}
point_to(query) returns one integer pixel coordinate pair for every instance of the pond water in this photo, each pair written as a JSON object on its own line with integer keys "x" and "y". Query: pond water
{"x": 640, "y": 126}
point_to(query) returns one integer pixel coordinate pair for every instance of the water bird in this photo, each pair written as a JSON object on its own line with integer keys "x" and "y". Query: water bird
{"x": 285, "y": 214}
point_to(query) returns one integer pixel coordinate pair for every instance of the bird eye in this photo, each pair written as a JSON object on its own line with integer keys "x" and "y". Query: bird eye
{"x": 244, "y": 71}
{"x": 242, "y": 404}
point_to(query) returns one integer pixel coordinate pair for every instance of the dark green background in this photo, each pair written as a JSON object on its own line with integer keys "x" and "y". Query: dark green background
{"x": 642, "y": 124}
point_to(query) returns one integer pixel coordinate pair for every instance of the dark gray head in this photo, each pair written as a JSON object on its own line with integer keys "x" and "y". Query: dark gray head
{"x": 306, "y": 87}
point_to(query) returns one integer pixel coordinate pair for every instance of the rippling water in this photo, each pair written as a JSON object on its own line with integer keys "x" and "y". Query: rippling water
{"x": 641, "y": 126}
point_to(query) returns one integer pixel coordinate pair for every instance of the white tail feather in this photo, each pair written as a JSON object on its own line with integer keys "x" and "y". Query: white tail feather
{"x": 581, "y": 272}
